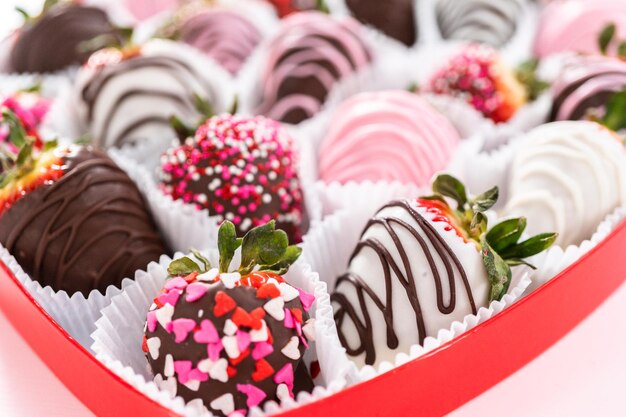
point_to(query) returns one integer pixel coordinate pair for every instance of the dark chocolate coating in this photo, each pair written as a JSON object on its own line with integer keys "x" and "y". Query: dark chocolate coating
{"x": 86, "y": 231}
{"x": 395, "y": 19}
{"x": 53, "y": 41}
{"x": 245, "y": 297}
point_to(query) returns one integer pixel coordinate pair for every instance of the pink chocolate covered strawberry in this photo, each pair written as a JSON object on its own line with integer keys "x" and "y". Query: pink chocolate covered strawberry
{"x": 232, "y": 340}
{"x": 421, "y": 265}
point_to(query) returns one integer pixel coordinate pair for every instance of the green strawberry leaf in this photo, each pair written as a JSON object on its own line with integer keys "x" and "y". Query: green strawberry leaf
{"x": 262, "y": 245}
{"x": 321, "y": 6}
{"x": 17, "y": 133}
{"x": 517, "y": 262}
{"x": 506, "y": 233}
{"x": 181, "y": 129}
{"x": 227, "y": 244}
{"x": 235, "y": 106}
{"x": 485, "y": 201}
{"x": 203, "y": 106}
{"x": 615, "y": 115}
{"x": 183, "y": 266}
{"x": 498, "y": 272}
{"x": 478, "y": 224}
{"x": 605, "y": 37}
{"x": 449, "y": 186}
{"x": 526, "y": 74}
{"x": 200, "y": 257}
{"x": 22, "y": 12}
{"x": 621, "y": 50}
{"x": 529, "y": 247}
{"x": 281, "y": 267}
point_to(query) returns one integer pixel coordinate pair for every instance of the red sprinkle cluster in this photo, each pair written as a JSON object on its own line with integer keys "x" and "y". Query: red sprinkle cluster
{"x": 242, "y": 169}
{"x": 475, "y": 75}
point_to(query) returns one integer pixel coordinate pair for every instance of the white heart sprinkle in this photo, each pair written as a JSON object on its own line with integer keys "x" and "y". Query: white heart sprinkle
{"x": 309, "y": 329}
{"x": 164, "y": 315}
{"x": 154, "y": 344}
{"x": 218, "y": 370}
{"x": 287, "y": 291}
{"x": 200, "y": 313}
{"x": 168, "y": 385}
{"x": 229, "y": 280}
{"x": 274, "y": 308}
{"x": 225, "y": 404}
{"x": 230, "y": 328}
{"x": 230, "y": 346}
{"x": 260, "y": 335}
{"x": 168, "y": 368}
{"x": 291, "y": 348}
{"x": 193, "y": 384}
{"x": 205, "y": 365}
{"x": 208, "y": 276}
{"x": 198, "y": 405}
{"x": 282, "y": 392}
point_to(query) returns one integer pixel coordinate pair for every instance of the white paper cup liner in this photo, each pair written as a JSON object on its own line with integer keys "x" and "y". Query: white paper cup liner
{"x": 328, "y": 249}
{"x": 119, "y": 333}
{"x": 77, "y": 314}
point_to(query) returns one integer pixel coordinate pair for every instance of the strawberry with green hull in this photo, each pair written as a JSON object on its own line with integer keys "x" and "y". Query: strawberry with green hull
{"x": 232, "y": 340}
{"x": 479, "y": 76}
{"x": 421, "y": 265}
{"x": 71, "y": 217}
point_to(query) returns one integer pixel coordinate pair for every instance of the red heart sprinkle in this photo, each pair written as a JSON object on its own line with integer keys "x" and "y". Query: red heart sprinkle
{"x": 243, "y": 355}
{"x": 144, "y": 344}
{"x": 268, "y": 290}
{"x": 257, "y": 315}
{"x": 241, "y": 318}
{"x": 297, "y": 314}
{"x": 263, "y": 370}
{"x": 223, "y": 304}
{"x": 191, "y": 277}
{"x": 315, "y": 369}
{"x": 231, "y": 372}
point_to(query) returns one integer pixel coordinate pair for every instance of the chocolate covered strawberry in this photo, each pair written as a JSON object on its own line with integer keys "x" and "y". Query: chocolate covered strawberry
{"x": 479, "y": 76}
{"x": 232, "y": 339}
{"x": 242, "y": 169}
{"x": 70, "y": 216}
{"x": 422, "y": 264}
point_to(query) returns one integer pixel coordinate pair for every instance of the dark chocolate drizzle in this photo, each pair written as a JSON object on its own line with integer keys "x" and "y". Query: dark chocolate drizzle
{"x": 406, "y": 278}
{"x": 597, "y": 99}
{"x": 87, "y": 230}
{"x": 52, "y": 42}
{"x": 184, "y": 100}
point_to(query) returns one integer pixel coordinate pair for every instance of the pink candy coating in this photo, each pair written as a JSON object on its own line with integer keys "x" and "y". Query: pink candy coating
{"x": 391, "y": 135}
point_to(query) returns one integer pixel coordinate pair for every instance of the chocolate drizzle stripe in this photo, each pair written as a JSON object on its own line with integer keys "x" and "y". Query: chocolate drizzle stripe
{"x": 441, "y": 249}
{"x": 55, "y": 202}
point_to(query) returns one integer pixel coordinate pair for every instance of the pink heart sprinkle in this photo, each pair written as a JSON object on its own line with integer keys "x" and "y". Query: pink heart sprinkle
{"x": 207, "y": 333}
{"x": 170, "y": 297}
{"x": 195, "y": 292}
{"x": 197, "y": 375}
{"x": 152, "y": 321}
{"x": 181, "y": 328}
{"x": 261, "y": 350}
{"x": 304, "y": 342}
{"x": 243, "y": 340}
{"x": 285, "y": 376}
{"x": 176, "y": 283}
{"x": 255, "y": 395}
{"x": 214, "y": 349}
{"x": 289, "y": 320}
{"x": 306, "y": 299}
{"x": 182, "y": 369}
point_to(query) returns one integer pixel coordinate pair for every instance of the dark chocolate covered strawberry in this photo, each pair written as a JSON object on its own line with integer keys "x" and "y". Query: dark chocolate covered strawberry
{"x": 232, "y": 340}
{"x": 70, "y": 216}
{"x": 422, "y": 264}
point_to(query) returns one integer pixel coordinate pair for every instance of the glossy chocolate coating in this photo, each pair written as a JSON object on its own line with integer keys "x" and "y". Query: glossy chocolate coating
{"x": 395, "y": 18}
{"x": 86, "y": 231}
{"x": 53, "y": 41}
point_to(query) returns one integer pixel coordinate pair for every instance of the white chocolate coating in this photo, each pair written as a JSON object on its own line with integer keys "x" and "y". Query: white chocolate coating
{"x": 566, "y": 177}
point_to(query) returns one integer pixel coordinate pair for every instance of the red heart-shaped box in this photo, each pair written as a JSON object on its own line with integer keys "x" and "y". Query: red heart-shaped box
{"x": 440, "y": 381}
